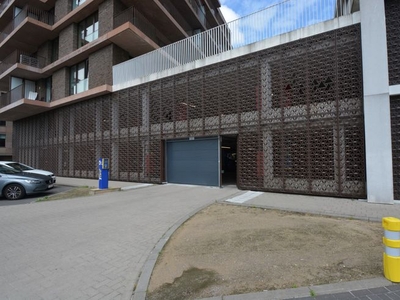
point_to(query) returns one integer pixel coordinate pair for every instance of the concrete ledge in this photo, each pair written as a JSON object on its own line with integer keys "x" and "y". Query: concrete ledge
{"x": 103, "y": 191}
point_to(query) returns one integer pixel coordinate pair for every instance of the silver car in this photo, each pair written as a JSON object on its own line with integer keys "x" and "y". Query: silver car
{"x": 24, "y": 168}
{"x": 15, "y": 185}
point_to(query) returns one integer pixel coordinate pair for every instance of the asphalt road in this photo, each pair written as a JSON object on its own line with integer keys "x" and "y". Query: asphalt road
{"x": 33, "y": 198}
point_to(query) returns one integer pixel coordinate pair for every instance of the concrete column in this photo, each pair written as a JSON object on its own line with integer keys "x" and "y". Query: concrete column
{"x": 378, "y": 141}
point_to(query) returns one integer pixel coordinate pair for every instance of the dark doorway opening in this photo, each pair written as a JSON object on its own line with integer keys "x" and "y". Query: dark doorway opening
{"x": 228, "y": 160}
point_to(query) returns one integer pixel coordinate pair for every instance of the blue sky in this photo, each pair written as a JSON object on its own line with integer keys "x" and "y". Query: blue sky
{"x": 283, "y": 16}
{"x": 234, "y": 9}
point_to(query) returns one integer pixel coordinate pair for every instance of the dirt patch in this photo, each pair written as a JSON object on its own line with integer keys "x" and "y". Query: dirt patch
{"x": 235, "y": 250}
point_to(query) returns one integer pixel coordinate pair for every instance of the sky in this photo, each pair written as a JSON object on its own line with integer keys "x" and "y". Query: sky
{"x": 281, "y": 17}
{"x": 234, "y": 9}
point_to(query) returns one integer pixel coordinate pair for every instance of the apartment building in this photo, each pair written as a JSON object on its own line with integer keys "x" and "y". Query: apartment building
{"x": 58, "y": 52}
{"x": 307, "y": 106}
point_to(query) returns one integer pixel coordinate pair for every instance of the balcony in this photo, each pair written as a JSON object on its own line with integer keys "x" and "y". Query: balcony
{"x": 80, "y": 86}
{"x": 134, "y": 33}
{"x": 4, "y": 5}
{"x": 19, "y": 103}
{"x": 200, "y": 12}
{"x": 31, "y": 27}
{"x": 172, "y": 10}
{"x": 22, "y": 64}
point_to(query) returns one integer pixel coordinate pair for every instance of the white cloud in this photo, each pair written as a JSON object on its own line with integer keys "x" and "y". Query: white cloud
{"x": 228, "y": 13}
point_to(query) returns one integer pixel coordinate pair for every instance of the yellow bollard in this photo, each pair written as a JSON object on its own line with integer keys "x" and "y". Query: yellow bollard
{"x": 391, "y": 256}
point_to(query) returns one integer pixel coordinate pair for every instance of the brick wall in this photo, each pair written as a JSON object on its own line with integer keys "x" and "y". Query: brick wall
{"x": 106, "y": 17}
{"x": 60, "y": 84}
{"x": 44, "y": 52}
{"x": 68, "y": 40}
{"x": 119, "y": 55}
{"x": 100, "y": 67}
{"x": 61, "y": 9}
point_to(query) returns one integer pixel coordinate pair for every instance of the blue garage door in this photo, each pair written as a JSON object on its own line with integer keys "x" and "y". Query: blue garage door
{"x": 193, "y": 161}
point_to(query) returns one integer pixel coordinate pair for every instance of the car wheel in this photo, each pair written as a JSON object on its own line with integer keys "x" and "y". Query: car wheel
{"x": 14, "y": 191}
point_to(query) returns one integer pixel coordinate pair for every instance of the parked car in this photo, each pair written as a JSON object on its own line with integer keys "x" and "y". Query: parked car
{"x": 24, "y": 168}
{"x": 15, "y": 185}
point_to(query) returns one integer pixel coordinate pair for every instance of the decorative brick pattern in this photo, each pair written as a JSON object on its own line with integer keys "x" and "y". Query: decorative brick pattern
{"x": 395, "y": 120}
{"x": 296, "y": 108}
{"x": 392, "y": 9}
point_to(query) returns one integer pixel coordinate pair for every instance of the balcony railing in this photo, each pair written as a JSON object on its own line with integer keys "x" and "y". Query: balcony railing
{"x": 23, "y": 91}
{"x": 133, "y": 16}
{"x": 31, "y": 12}
{"x": 280, "y": 18}
{"x": 80, "y": 86}
{"x": 22, "y": 58}
{"x": 4, "y": 5}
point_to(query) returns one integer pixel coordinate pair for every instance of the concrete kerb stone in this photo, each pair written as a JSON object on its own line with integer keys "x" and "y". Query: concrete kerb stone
{"x": 305, "y": 211}
{"x": 144, "y": 278}
{"x": 319, "y": 290}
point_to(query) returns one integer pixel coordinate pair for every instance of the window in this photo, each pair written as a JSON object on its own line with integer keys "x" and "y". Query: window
{"x": 79, "y": 78}
{"x": 2, "y": 140}
{"x": 88, "y": 30}
{"x": 2, "y": 123}
{"x": 76, "y": 3}
{"x": 48, "y": 95}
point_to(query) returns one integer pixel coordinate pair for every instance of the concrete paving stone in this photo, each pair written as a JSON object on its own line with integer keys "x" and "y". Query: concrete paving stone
{"x": 344, "y": 296}
{"x": 112, "y": 296}
{"x": 378, "y": 290}
{"x": 384, "y": 297}
{"x": 105, "y": 290}
{"x": 374, "y": 297}
{"x": 93, "y": 242}
{"x": 360, "y": 293}
{"x": 394, "y": 287}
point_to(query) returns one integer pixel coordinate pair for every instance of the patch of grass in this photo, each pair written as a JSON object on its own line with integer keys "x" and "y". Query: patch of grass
{"x": 81, "y": 191}
{"x": 312, "y": 293}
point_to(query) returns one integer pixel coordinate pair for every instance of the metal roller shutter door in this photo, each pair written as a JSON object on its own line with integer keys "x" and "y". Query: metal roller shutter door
{"x": 193, "y": 161}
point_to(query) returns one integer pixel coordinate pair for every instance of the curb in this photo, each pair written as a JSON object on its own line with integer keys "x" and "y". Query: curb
{"x": 144, "y": 278}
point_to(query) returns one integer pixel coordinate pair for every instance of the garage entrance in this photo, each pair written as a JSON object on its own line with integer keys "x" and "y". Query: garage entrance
{"x": 193, "y": 161}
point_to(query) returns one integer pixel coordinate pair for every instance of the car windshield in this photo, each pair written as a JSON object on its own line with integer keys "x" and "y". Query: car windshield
{"x": 8, "y": 170}
{"x": 19, "y": 167}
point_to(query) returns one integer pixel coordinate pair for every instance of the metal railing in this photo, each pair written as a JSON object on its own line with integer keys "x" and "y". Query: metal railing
{"x": 280, "y": 18}
{"x": 12, "y": 96}
{"x": 4, "y": 5}
{"x": 22, "y": 58}
{"x": 23, "y": 91}
{"x": 31, "y": 12}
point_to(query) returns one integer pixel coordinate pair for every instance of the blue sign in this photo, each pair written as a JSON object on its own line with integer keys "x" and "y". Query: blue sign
{"x": 103, "y": 173}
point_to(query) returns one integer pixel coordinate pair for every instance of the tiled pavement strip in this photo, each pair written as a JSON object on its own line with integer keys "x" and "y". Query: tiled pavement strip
{"x": 95, "y": 248}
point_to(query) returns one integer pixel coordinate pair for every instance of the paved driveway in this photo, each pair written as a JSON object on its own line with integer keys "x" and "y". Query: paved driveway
{"x": 89, "y": 248}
